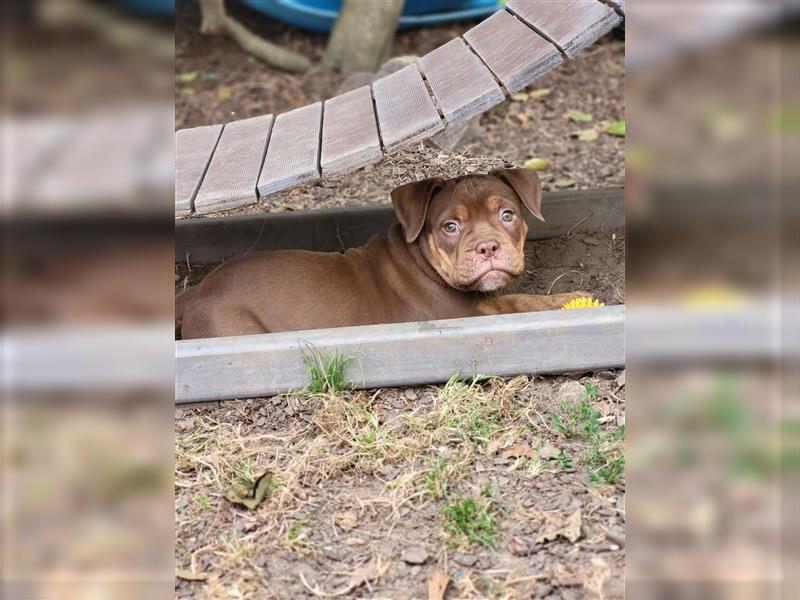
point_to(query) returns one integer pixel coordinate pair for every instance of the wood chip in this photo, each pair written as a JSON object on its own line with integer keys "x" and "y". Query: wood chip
{"x": 437, "y": 585}
{"x": 519, "y": 450}
{"x": 346, "y": 520}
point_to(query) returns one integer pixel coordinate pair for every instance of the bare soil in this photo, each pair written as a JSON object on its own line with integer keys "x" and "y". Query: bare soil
{"x": 594, "y": 262}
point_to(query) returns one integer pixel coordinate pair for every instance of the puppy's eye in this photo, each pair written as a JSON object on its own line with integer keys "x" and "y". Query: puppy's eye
{"x": 507, "y": 215}
{"x": 450, "y": 226}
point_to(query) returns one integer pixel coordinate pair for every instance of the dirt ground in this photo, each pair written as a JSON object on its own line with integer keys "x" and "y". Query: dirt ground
{"x": 364, "y": 485}
{"x": 498, "y": 488}
{"x": 594, "y": 262}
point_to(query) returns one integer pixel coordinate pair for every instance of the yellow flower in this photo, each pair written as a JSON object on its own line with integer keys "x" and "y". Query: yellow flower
{"x": 582, "y": 303}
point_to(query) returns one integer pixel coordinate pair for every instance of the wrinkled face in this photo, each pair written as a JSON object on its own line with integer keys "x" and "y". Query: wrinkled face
{"x": 474, "y": 234}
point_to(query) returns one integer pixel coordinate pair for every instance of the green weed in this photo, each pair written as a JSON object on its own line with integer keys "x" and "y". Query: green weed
{"x": 469, "y": 410}
{"x": 605, "y": 457}
{"x": 579, "y": 419}
{"x": 370, "y": 438}
{"x": 296, "y": 538}
{"x": 606, "y": 469}
{"x": 441, "y": 473}
{"x": 470, "y": 520}
{"x": 243, "y": 469}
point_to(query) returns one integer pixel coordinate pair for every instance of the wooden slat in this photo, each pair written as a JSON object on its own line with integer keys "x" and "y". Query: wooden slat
{"x": 618, "y": 5}
{"x": 213, "y": 240}
{"x": 406, "y": 112}
{"x": 92, "y": 168}
{"x": 193, "y": 149}
{"x": 513, "y": 51}
{"x": 293, "y": 153}
{"x": 462, "y": 85}
{"x": 350, "y": 132}
{"x": 36, "y": 143}
{"x": 404, "y": 353}
{"x": 231, "y": 177}
{"x": 570, "y": 24}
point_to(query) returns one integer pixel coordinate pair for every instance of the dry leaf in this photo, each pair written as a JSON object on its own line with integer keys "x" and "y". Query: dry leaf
{"x": 563, "y": 183}
{"x": 371, "y": 571}
{"x": 555, "y": 525}
{"x": 579, "y": 116}
{"x": 345, "y": 520}
{"x": 586, "y": 135}
{"x": 190, "y": 576}
{"x": 540, "y": 93}
{"x": 368, "y": 572}
{"x": 518, "y": 547}
{"x": 520, "y": 97}
{"x": 519, "y": 450}
{"x": 521, "y": 117}
{"x": 537, "y": 164}
{"x": 437, "y": 585}
{"x": 224, "y": 92}
{"x": 567, "y": 575}
{"x": 492, "y": 447}
{"x": 572, "y": 528}
{"x": 252, "y": 497}
{"x": 549, "y": 451}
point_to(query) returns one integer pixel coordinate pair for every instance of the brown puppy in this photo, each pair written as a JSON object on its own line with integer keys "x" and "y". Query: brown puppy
{"x": 458, "y": 242}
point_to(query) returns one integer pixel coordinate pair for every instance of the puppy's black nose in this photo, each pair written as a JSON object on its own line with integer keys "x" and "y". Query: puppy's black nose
{"x": 487, "y": 249}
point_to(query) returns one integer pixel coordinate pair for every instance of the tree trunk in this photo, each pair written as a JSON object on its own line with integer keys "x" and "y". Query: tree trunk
{"x": 213, "y": 16}
{"x": 215, "y": 21}
{"x": 363, "y": 34}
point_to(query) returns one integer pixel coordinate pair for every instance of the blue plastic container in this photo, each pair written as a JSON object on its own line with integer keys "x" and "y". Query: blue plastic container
{"x": 320, "y": 15}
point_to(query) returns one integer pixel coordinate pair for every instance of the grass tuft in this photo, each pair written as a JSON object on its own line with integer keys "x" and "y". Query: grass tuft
{"x": 471, "y": 520}
{"x": 297, "y": 539}
{"x": 579, "y": 420}
{"x": 472, "y": 410}
{"x": 326, "y": 373}
{"x": 604, "y": 457}
{"x": 441, "y": 474}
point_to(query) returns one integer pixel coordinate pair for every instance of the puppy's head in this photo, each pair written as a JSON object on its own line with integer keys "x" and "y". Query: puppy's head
{"x": 471, "y": 229}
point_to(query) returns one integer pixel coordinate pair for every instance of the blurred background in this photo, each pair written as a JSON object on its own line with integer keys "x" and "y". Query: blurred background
{"x": 712, "y": 287}
{"x": 713, "y": 103}
{"x": 87, "y": 171}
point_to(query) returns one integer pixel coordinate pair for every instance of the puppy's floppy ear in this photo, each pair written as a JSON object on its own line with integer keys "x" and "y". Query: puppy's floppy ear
{"x": 411, "y": 204}
{"x": 525, "y": 182}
